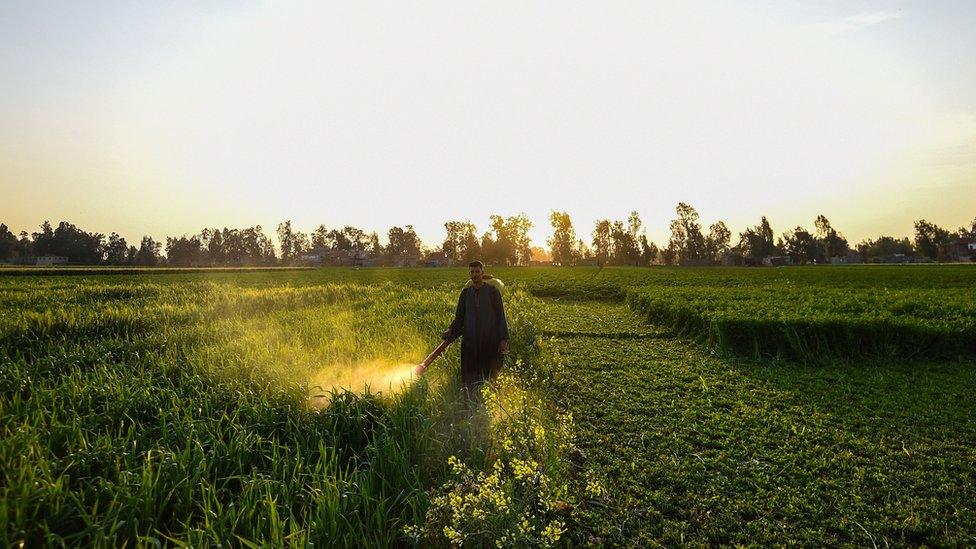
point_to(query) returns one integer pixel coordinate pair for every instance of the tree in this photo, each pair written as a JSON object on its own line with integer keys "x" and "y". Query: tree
{"x": 717, "y": 242}
{"x": 233, "y": 245}
{"x": 116, "y": 250}
{"x": 602, "y": 241}
{"x": 461, "y": 243}
{"x": 830, "y": 241}
{"x": 623, "y": 245}
{"x": 322, "y": 239}
{"x": 213, "y": 241}
{"x": 239, "y": 247}
{"x": 968, "y": 232}
{"x": 801, "y": 246}
{"x": 148, "y": 254}
{"x": 687, "y": 244}
{"x": 582, "y": 252}
{"x": 43, "y": 242}
{"x": 339, "y": 240}
{"x": 24, "y": 245}
{"x": 669, "y": 255}
{"x": 403, "y": 243}
{"x": 183, "y": 251}
{"x": 300, "y": 244}
{"x": 373, "y": 248}
{"x": 518, "y": 227}
{"x": 507, "y": 243}
{"x": 884, "y": 248}
{"x": 8, "y": 243}
{"x": 757, "y": 243}
{"x": 563, "y": 240}
{"x": 649, "y": 251}
{"x": 488, "y": 246}
{"x": 67, "y": 240}
{"x": 625, "y": 241}
{"x": 932, "y": 241}
{"x": 358, "y": 239}
{"x": 290, "y": 242}
{"x": 503, "y": 250}
{"x": 257, "y": 247}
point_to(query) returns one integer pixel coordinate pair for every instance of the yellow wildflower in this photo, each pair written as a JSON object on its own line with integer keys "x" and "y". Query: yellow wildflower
{"x": 453, "y": 535}
{"x": 553, "y": 531}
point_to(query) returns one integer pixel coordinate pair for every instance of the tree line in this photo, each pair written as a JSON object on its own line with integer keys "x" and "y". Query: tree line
{"x": 616, "y": 242}
{"x": 505, "y": 242}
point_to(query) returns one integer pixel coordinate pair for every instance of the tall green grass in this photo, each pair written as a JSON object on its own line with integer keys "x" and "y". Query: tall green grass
{"x": 204, "y": 412}
{"x": 816, "y": 322}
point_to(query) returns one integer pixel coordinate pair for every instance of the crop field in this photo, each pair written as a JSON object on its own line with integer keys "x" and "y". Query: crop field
{"x": 814, "y": 406}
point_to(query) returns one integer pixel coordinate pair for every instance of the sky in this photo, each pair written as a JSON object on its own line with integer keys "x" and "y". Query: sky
{"x": 161, "y": 118}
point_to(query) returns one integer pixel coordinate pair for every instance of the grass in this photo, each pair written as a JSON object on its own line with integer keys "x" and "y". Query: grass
{"x": 188, "y": 410}
{"x": 206, "y": 407}
{"x": 815, "y": 322}
{"x": 699, "y": 449}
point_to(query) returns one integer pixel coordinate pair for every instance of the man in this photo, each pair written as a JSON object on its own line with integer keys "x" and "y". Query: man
{"x": 481, "y": 323}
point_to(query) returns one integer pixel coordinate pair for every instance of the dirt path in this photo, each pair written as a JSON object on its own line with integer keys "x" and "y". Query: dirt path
{"x": 695, "y": 448}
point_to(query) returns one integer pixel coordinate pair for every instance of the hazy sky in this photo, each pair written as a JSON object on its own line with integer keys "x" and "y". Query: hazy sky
{"x": 162, "y": 117}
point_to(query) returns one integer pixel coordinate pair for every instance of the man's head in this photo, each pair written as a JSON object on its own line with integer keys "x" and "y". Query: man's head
{"x": 476, "y": 270}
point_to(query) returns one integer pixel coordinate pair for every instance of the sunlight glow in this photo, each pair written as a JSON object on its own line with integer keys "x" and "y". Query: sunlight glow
{"x": 392, "y": 114}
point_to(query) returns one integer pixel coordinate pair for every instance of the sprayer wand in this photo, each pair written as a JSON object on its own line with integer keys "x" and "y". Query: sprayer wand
{"x": 422, "y": 367}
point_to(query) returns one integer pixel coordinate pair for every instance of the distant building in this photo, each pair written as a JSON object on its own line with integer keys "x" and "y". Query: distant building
{"x": 852, "y": 258}
{"x": 965, "y": 249}
{"x": 437, "y": 259}
{"x": 406, "y": 260}
{"x": 45, "y": 260}
{"x": 341, "y": 258}
{"x": 361, "y": 259}
{"x": 777, "y": 260}
{"x": 310, "y": 259}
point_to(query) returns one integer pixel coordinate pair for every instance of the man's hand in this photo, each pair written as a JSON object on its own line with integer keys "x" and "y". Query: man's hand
{"x": 503, "y": 347}
{"x": 446, "y": 334}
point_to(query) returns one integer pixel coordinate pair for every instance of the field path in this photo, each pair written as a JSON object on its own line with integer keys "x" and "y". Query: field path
{"x": 694, "y": 448}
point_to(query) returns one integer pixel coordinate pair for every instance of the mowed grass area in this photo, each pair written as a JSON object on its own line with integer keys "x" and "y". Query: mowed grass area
{"x": 196, "y": 407}
{"x": 699, "y": 449}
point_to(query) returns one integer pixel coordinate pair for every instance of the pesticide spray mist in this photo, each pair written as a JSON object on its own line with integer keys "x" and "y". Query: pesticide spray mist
{"x": 374, "y": 375}
{"x": 328, "y": 347}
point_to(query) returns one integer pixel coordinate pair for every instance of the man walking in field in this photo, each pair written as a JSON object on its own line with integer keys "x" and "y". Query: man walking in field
{"x": 480, "y": 322}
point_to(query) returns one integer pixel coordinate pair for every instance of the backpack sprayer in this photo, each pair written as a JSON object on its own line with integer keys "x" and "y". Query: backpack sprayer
{"x": 422, "y": 367}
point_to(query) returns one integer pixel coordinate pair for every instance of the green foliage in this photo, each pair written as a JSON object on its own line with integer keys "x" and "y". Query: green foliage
{"x": 563, "y": 240}
{"x": 702, "y": 450}
{"x": 203, "y": 409}
{"x": 529, "y": 491}
{"x": 200, "y": 407}
{"x": 816, "y": 322}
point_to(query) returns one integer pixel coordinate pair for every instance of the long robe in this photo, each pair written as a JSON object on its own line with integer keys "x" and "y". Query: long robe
{"x": 480, "y": 322}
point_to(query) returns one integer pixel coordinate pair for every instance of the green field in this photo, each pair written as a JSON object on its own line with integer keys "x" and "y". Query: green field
{"x": 814, "y": 406}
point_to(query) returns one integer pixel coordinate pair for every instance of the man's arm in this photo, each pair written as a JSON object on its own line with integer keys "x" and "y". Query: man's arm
{"x": 454, "y": 331}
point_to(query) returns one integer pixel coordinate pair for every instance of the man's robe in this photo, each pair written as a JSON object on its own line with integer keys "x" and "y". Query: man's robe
{"x": 480, "y": 322}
